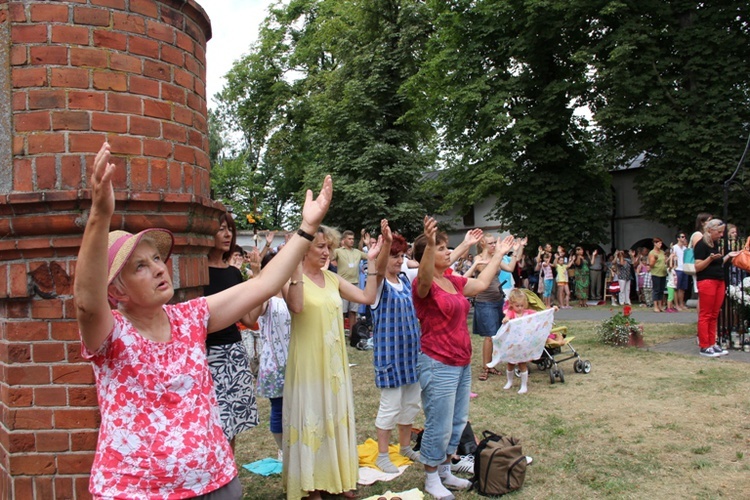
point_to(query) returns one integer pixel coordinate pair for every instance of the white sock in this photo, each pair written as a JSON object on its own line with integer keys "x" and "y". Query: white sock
{"x": 409, "y": 453}
{"x": 451, "y": 481}
{"x": 384, "y": 463}
{"x": 434, "y": 487}
{"x": 524, "y": 381}
{"x": 510, "y": 374}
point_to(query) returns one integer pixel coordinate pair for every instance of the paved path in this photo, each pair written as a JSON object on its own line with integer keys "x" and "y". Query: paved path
{"x": 646, "y": 315}
{"x": 641, "y": 314}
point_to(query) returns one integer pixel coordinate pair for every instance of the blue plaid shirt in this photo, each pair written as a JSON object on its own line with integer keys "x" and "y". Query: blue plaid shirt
{"x": 395, "y": 337}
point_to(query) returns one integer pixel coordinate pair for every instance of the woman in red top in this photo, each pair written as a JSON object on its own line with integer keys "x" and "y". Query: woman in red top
{"x": 445, "y": 360}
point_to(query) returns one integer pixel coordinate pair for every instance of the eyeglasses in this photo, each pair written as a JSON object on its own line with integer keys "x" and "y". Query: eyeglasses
{"x": 683, "y": 236}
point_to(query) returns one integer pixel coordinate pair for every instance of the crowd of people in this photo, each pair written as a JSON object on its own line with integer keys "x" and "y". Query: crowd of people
{"x": 174, "y": 381}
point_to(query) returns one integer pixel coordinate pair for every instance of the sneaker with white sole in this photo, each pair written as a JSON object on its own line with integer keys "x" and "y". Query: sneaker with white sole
{"x": 709, "y": 352}
{"x": 721, "y": 351}
{"x": 465, "y": 464}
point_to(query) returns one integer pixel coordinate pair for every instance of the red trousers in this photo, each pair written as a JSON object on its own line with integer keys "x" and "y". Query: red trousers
{"x": 710, "y": 297}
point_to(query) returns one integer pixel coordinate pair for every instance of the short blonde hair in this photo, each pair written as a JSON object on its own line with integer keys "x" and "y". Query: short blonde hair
{"x": 331, "y": 235}
{"x": 518, "y": 296}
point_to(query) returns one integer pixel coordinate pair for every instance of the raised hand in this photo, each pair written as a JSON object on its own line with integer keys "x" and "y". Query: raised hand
{"x": 254, "y": 261}
{"x": 473, "y": 236}
{"x": 385, "y": 231}
{"x": 269, "y": 237}
{"x": 505, "y": 245}
{"x": 430, "y": 229}
{"x": 478, "y": 260}
{"x": 102, "y": 192}
{"x": 314, "y": 210}
{"x": 373, "y": 252}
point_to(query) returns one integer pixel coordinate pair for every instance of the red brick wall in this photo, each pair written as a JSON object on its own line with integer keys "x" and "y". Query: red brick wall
{"x": 73, "y": 74}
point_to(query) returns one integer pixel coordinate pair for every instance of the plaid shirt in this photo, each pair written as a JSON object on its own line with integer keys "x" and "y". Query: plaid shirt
{"x": 395, "y": 336}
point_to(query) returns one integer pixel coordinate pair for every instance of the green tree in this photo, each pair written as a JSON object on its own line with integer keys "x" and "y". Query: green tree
{"x": 321, "y": 94}
{"x": 670, "y": 81}
{"x": 503, "y": 79}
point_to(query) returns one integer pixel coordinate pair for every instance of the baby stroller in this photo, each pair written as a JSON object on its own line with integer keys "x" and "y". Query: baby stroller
{"x": 557, "y": 350}
{"x": 534, "y": 342}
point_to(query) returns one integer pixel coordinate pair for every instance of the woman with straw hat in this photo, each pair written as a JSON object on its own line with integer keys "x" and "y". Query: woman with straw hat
{"x": 160, "y": 433}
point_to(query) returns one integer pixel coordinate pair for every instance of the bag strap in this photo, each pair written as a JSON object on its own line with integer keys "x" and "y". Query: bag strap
{"x": 489, "y": 434}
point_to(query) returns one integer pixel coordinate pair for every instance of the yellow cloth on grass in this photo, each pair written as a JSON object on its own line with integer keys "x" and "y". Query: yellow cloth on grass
{"x": 368, "y": 454}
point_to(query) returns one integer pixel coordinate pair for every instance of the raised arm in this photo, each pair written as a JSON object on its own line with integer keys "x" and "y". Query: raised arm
{"x": 518, "y": 247}
{"x": 478, "y": 261}
{"x": 267, "y": 246}
{"x": 472, "y": 238}
{"x": 367, "y": 296}
{"x": 592, "y": 258}
{"x": 90, "y": 288}
{"x": 426, "y": 272}
{"x": 228, "y": 306}
{"x": 488, "y": 274}
{"x": 385, "y": 251}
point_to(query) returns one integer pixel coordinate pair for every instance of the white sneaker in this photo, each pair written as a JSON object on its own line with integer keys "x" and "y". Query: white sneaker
{"x": 465, "y": 464}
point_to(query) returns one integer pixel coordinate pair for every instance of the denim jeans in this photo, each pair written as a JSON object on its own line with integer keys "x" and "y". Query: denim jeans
{"x": 488, "y": 317}
{"x": 445, "y": 400}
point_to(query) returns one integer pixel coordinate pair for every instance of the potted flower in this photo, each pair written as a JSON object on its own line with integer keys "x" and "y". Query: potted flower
{"x": 621, "y": 330}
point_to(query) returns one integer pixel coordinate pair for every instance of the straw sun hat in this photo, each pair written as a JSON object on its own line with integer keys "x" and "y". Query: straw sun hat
{"x": 121, "y": 245}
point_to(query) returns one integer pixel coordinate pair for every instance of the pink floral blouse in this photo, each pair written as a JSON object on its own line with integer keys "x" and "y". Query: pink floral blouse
{"x": 160, "y": 435}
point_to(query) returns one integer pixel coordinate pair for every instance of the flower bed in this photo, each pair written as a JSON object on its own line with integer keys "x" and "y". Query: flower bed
{"x": 621, "y": 330}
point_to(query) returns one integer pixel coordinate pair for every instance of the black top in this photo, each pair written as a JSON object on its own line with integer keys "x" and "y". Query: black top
{"x": 715, "y": 270}
{"x": 219, "y": 279}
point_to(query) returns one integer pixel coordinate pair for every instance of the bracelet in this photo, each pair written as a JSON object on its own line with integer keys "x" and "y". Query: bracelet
{"x": 373, "y": 274}
{"x": 296, "y": 282}
{"x": 307, "y": 236}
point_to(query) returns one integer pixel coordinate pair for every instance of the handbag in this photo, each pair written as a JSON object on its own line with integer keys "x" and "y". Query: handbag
{"x": 688, "y": 261}
{"x": 742, "y": 260}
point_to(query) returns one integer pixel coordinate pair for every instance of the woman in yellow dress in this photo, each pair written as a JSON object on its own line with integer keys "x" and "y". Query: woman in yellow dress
{"x": 320, "y": 442}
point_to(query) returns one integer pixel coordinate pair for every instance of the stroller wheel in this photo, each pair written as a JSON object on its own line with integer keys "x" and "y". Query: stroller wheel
{"x": 560, "y": 374}
{"x": 578, "y": 366}
{"x": 552, "y": 376}
{"x": 586, "y": 366}
{"x": 517, "y": 372}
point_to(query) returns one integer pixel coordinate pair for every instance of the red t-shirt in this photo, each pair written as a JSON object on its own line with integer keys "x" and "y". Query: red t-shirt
{"x": 442, "y": 316}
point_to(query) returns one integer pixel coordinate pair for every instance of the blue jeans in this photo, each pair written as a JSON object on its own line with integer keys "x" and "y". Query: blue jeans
{"x": 445, "y": 400}
{"x": 276, "y": 407}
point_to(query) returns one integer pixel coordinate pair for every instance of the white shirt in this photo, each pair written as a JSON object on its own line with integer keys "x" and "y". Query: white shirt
{"x": 679, "y": 251}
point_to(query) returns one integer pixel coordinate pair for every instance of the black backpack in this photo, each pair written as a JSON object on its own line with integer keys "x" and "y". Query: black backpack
{"x": 360, "y": 333}
{"x": 499, "y": 465}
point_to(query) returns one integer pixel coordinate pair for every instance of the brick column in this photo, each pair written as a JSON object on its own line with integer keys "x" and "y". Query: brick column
{"x": 73, "y": 74}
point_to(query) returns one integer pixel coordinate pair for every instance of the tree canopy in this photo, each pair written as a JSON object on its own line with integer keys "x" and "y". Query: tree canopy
{"x": 533, "y": 102}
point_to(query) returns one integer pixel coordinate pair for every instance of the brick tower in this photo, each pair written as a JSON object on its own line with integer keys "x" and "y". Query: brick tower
{"x": 72, "y": 74}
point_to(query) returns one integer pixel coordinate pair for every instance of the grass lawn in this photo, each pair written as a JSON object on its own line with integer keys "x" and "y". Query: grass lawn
{"x": 642, "y": 424}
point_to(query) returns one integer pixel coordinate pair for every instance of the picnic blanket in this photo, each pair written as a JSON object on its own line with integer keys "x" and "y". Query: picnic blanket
{"x": 522, "y": 339}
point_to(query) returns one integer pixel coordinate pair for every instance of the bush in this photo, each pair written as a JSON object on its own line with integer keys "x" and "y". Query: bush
{"x": 621, "y": 330}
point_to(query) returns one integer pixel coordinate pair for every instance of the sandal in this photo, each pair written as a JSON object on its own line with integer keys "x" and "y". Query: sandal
{"x": 485, "y": 373}
{"x": 493, "y": 371}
